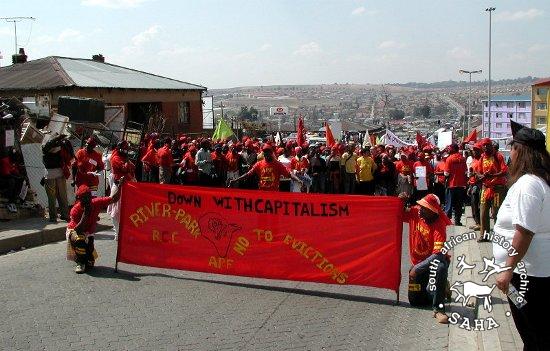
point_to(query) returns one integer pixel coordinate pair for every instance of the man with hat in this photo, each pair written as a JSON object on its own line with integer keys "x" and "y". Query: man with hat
{"x": 82, "y": 225}
{"x": 87, "y": 165}
{"x": 269, "y": 171}
{"x": 427, "y": 234}
{"x": 491, "y": 172}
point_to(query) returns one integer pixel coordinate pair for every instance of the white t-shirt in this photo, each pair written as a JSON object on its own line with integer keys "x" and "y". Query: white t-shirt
{"x": 528, "y": 205}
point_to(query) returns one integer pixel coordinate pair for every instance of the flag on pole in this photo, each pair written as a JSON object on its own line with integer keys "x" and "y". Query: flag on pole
{"x": 421, "y": 141}
{"x": 329, "y": 136}
{"x": 366, "y": 140}
{"x": 300, "y": 133}
{"x": 222, "y": 131}
{"x": 472, "y": 136}
{"x": 278, "y": 139}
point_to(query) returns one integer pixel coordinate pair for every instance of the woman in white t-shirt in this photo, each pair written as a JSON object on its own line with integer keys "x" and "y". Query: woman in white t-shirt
{"x": 524, "y": 221}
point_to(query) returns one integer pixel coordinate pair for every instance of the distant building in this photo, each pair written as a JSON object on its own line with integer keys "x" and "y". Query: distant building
{"x": 48, "y": 78}
{"x": 503, "y": 110}
{"x": 540, "y": 92}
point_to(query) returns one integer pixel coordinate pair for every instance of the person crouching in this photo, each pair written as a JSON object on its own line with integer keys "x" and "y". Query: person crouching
{"x": 427, "y": 234}
{"x": 82, "y": 226}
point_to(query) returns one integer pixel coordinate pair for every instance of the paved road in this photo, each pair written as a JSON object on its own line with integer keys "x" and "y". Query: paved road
{"x": 45, "y": 306}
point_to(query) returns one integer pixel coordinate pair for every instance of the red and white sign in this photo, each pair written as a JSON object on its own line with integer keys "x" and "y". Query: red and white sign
{"x": 278, "y": 111}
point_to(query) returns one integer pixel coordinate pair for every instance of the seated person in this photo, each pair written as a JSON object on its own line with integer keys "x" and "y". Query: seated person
{"x": 427, "y": 234}
{"x": 10, "y": 179}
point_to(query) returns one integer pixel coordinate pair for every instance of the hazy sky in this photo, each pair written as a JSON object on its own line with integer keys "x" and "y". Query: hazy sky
{"x": 230, "y": 43}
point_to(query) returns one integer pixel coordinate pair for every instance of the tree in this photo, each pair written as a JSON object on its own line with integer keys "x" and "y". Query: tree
{"x": 248, "y": 114}
{"x": 423, "y": 111}
{"x": 396, "y": 114}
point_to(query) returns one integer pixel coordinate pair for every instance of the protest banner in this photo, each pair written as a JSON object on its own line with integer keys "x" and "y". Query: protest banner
{"x": 334, "y": 239}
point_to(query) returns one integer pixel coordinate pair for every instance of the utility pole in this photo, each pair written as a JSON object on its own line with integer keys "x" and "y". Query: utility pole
{"x": 490, "y": 10}
{"x": 14, "y": 20}
{"x": 469, "y": 96}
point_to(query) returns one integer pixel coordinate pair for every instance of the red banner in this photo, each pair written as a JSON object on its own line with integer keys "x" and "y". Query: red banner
{"x": 335, "y": 239}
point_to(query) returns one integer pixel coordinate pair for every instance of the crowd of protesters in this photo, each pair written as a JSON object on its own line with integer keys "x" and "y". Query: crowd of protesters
{"x": 458, "y": 174}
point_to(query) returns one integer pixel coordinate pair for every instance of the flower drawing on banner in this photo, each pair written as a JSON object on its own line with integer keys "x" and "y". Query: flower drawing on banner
{"x": 216, "y": 229}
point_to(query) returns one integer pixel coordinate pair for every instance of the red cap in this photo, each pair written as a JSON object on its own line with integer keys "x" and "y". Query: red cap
{"x": 82, "y": 190}
{"x": 431, "y": 202}
{"x": 485, "y": 141}
{"x": 266, "y": 147}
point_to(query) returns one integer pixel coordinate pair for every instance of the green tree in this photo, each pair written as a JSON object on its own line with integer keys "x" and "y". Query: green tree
{"x": 248, "y": 114}
{"x": 396, "y": 114}
{"x": 423, "y": 111}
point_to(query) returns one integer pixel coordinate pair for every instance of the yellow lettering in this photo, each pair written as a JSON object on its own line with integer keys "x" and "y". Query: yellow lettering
{"x": 174, "y": 237}
{"x": 166, "y": 210}
{"x": 179, "y": 215}
{"x": 157, "y": 209}
{"x": 241, "y": 244}
{"x": 229, "y": 262}
{"x": 287, "y": 239}
{"x": 342, "y": 278}
{"x": 212, "y": 262}
{"x": 156, "y": 235}
{"x": 136, "y": 220}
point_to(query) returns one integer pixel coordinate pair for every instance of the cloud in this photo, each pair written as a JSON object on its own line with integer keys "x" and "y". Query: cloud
{"x": 537, "y": 48}
{"x": 177, "y": 51}
{"x": 519, "y": 15}
{"x": 363, "y": 11}
{"x": 67, "y": 35}
{"x": 265, "y": 47}
{"x": 459, "y": 53}
{"x": 5, "y": 31}
{"x": 308, "y": 49}
{"x": 146, "y": 36}
{"x": 390, "y": 44}
{"x": 113, "y": 4}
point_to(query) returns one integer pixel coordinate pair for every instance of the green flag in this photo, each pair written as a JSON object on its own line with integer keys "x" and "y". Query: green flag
{"x": 222, "y": 131}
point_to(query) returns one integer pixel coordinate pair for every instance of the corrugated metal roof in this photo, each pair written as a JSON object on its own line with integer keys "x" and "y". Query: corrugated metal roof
{"x": 542, "y": 81}
{"x": 53, "y": 72}
{"x": 510, "y": 98}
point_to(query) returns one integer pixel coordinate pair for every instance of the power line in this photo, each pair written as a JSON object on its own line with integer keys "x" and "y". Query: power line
{"x": 14, "y": 20}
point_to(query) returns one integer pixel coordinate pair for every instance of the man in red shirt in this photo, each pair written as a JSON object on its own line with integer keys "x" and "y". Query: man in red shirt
{"x": 474, "y": 186}
{"x": 440, "y": 180}
{"x": 268, "y": 170}
{"x": 427, "y": 235}
{"x": 404, "y": 168}
{"x": 82, "y": 225}
{"x": 423, "y": 161}
{"x": 455, "y": 172}
{"x": 150, "y": 163}
{"x": 166, "y": 161}
{"x": 492, "y": 172}
{"x": 87, "y": 164}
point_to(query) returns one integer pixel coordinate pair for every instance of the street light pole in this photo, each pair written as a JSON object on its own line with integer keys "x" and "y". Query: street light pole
{"x": 469, "y": 95}
{"x": 490, "y": 10}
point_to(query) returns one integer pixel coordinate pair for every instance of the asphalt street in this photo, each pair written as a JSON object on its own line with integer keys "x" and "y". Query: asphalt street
{"x": 46, "y": 306}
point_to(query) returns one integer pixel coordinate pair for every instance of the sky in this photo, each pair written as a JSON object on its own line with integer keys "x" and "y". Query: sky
{"x": 231, "y": 43}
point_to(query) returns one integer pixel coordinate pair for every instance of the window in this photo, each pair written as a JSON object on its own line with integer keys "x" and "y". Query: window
{"x": 541, "y": 121}
{"x": 498, "y": 125}
{"x": 498, "y": 114}
{"x": 521, "y": 104}
{"x": 509, "y": 104}
{"x": 542, "y": 91}
{"x": 486, "y": 115}
{"x": 183, "y": 113}
{"x": 541, "y": 106}
{"x": 485, "y": 103}
{"x": 521, "y": 115}
{"x": 497, "y": 104}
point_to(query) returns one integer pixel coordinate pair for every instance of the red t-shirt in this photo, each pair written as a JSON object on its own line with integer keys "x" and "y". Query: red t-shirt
{"x": 456, "y": 167}
{"x": 98, "y": 204}
{"x": 299, "y": 165}
{"x": 6, "y": 167}
{"x": 440, "y": 168}
{"x": 404, "y": 167}
{"x": 150, "y": 157}
{"x": 88, "y": 162}
{"x": 269, "y": 174}
{"x": 165, "y": 156}
{"x": 120, "y": 167}
{"x": 232, "y": 161}
{"x": 424, "y": 239}
{"x": 493, "y": 164}
{"x": 475, "y": 168}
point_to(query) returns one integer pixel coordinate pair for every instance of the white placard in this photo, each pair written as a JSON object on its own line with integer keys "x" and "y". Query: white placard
{"x": 421, "y": 181}
{"x": 10, "y": 137}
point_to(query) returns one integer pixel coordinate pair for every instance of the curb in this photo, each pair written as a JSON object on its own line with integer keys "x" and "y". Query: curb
{"x": 37, "y": 238}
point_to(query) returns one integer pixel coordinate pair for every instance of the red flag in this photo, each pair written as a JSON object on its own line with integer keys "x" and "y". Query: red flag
{"x": 421, "y": 141}
{"x": 471, "y": 137}
{"x": 300, "y": 139}
{"x": 330, "y": 137}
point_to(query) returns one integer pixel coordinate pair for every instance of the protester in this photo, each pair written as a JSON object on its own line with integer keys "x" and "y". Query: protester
{"x": 11, "y": 180}
{"x": 121, "y": 167}
{"x": 333, "y": 162}
{"x": 269, "y": 171}
{"x": 299, "y": 166}
{"x": 234, "y": 163}
{"x": 423, "y": 161}
{"x": 285, "y": 158}
{"x": 82, "y": 225}
{"x": 55, "y": 178}
{"x": 165, "y": 161}
{"x": 219, "y": 166}
{"x": 203, "y": 160}
{"x": 88, "y": 166}
{"x": 440, "y": 181}
{"x": 524, "y": 221}
{"x": 189, "y": 172}
{"x": 492, "y": 172}
{"x": 455, "y": 172}
{"x": 404, "y": 168}
{"x": 347, "y": 165}
{"x": 427, "y": 234}
{"x": 474, "y": 186}
{"x": 365, "y": 169}
{"x": 318, "y": 171}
